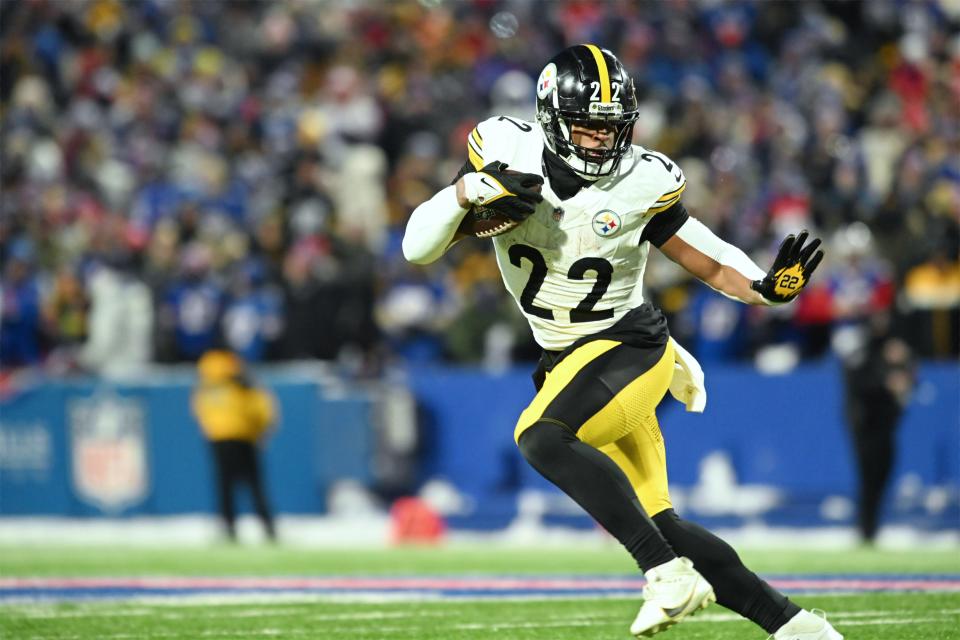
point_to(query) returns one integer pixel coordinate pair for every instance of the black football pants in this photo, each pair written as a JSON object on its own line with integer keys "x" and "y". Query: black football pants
{"x": 237, "y": 464}
{"x": 598, "y": 485}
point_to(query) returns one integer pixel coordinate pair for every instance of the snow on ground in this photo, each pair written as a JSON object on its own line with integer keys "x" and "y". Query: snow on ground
{"x": 372, "y": 531}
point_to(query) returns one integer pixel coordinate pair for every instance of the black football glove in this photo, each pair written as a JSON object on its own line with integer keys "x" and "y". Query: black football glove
{"x": 511, "y": 193}
{"x": 791, "y": 270}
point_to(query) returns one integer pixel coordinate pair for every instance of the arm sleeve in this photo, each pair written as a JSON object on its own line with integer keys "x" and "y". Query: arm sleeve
{"x": 698, "y": 236}
{"x": 432, "y": 226}
{"x": 664, "y": 225}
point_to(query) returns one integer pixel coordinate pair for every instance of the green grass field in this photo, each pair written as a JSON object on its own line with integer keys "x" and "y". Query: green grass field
{"x": 863, "y": 616}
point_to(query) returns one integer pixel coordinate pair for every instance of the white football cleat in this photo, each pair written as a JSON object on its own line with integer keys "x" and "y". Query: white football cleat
{"x": 674, "y": 591}
{"x": 807, "y": 625}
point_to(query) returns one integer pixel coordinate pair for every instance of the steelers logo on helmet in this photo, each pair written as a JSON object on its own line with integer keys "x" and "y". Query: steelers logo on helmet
{"x": 586, "y": 86}
{"x": 606, "y": 223}
{"x": 547, "y": 81}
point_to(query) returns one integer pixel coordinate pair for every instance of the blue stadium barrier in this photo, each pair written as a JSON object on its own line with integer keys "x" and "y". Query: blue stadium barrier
{"x": 781, "y": 432}
{"x": 55, "y": 438}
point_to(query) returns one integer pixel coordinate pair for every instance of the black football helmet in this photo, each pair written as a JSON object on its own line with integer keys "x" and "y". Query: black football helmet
{"x": 585, "y": 84}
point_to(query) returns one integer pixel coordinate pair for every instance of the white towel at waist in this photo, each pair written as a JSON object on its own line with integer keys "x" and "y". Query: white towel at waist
{"x": 688, "y": 384}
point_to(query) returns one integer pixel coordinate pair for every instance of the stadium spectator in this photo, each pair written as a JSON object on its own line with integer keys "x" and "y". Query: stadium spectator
{"x": 192, "y": 306}
{"x": 20, "y": 309}
{"x": 235, "y": 416}
{"x": 252, "y": 319}
{"x": 120, "y": 325}
{"x": 879, "y": 379}
{"x": 66, "y": 309}
{"x": 309, "y": 330}
{"x": 237, "y": 125}
{"x": 932, "y": 293}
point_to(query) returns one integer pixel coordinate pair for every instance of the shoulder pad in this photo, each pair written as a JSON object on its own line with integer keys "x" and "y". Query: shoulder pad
{"x": 663, "y": 179}
{"x": 475, "y": 145}
{"x": 493, "y": 138}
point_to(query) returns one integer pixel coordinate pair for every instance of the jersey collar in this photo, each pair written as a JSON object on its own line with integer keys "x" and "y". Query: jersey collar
{"x": 563, "y": 181}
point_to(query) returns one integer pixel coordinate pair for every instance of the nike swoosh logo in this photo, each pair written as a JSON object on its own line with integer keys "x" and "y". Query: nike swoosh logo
{"x": 675, "y": 611}
{"x": 484, "y": 181}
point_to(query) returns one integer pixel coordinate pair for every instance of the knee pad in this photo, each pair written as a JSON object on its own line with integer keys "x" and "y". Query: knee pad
{"x": 544, "y": 441}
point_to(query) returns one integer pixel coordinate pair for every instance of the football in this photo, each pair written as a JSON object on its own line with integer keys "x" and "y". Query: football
{"x": 484, "y": 222}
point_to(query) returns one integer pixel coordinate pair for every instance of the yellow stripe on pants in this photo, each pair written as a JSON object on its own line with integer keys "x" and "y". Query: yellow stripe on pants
{"x": 558, "y": 379}
{"x": 625, "y": 428}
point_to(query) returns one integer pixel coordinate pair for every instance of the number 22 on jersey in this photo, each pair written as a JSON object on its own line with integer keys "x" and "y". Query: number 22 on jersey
{"x": 584, "y": 312}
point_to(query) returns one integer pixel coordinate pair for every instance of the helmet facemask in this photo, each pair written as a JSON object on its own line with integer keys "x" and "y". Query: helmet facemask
{"x": 590, "y": 163}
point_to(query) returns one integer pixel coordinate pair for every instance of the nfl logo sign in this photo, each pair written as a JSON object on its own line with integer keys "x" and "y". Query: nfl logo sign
{"x": 108, "y": 444}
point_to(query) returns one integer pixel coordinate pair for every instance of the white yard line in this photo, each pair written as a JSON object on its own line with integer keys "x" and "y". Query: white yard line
{"x": 269, "y": 632}
{"x": 894, "y": 621}
{"x": 91, "y": 612}
{"x": 372, "y": 532}
{"x": 842, "y": 618}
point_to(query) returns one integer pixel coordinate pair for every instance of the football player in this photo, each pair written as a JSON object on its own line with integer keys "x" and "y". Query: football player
{"x": 591, "y": 205}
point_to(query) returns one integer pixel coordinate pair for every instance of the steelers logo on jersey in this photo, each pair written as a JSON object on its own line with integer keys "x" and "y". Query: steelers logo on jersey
{"x": 606, "y": 223}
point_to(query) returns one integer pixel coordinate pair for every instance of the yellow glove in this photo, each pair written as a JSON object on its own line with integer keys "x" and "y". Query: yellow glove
{"x": 791, "y": 270}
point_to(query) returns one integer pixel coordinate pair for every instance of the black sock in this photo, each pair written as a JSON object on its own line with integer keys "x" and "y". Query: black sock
{"x": 737, "y": 588}
{"x": 597, "y": 484}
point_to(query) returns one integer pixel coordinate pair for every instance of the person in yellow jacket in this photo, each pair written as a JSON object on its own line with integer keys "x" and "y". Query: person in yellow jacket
{"x": 234, "y": 416}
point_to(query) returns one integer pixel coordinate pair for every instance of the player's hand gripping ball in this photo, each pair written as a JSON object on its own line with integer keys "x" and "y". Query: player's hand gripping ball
{"x": 791, "y": 270}
{"x": 501, "y": 198}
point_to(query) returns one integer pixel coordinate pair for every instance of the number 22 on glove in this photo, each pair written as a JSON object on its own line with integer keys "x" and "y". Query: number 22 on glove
{"x": 791, "y": 270}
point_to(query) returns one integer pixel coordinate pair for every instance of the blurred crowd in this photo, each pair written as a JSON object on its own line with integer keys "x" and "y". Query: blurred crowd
{"x": 179, "y": 176}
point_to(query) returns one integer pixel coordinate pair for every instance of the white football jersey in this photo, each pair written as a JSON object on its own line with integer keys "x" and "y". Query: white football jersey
{"x": 576, "y": 266}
